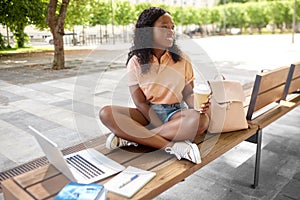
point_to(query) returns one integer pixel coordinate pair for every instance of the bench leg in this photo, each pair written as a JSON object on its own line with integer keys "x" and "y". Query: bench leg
{"x": 257, "y": 160}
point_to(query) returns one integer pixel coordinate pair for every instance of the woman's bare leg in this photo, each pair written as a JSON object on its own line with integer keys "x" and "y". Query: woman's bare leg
{"x": 129, "y": 123}
{"x": 183, "y": 125}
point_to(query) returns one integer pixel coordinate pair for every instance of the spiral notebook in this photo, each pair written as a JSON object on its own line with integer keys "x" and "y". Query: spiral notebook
{"x": 129, "y": 181}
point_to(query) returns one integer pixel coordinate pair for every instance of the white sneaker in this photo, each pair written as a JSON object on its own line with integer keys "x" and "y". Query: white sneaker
{"x": 187, "y": 150}
{"x": 113, "y": 142}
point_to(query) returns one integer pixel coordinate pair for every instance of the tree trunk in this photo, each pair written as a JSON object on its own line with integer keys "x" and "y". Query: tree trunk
{"x": 83, "y": 36}
{"x": 20, "y": 35}
{"x": 251, "y": 29}
{"x": 56, "y": 24}
{"x": 124, "y": 34}
{"x": 7, "y": 36}
{"x": 59, "y": 53}
{"x": 106, "y": 34}
{"x": 74, "y": 40}
{"x": 259, "y": 29}
{"x": 100, "y": 35}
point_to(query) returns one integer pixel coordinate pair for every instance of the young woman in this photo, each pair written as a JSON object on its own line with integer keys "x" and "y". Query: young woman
{"x": 161, "y": 86}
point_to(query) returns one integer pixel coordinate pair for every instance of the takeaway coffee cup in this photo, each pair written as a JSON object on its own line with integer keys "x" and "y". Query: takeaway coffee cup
{"x": 201, "y": 96}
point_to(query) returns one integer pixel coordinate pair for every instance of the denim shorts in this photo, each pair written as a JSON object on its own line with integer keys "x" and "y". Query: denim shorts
{"x": 166, "y": 111}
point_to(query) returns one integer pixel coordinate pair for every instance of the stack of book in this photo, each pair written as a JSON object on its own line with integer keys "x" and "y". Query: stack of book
{"x": 78, "y": 191}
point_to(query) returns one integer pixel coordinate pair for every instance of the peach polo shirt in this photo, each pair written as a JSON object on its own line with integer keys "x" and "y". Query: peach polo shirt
{"x": 165, "y": 81}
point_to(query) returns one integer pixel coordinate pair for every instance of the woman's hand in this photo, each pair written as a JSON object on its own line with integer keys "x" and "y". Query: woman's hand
{"x": 139, "y": 100}
{"x": 205, "y": 107}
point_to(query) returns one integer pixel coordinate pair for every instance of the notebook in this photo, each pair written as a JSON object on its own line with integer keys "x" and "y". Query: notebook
{"x": 129, "y": 182}
{"x": 86, "y": 166}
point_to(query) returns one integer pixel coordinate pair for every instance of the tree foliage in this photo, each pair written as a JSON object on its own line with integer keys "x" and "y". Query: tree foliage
{"x": 139, "y": 7}
{"x": 235, "y": 15}
{"x": 100, "y": 13}
{"x": 78, "y": 13}
{"x": 18, "y": 14}
{"x": 124, "y": 13}
{"x": 256, "y": 15}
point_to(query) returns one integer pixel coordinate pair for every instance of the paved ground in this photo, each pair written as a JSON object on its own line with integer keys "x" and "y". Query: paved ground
{"x": 64, "y": 105}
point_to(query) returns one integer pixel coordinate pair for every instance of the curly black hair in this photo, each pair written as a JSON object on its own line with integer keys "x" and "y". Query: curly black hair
{"x": 143, "y": 39}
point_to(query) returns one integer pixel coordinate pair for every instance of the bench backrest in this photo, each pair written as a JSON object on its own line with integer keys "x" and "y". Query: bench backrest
{"x": 269, "y": 87}
{"x": 295, "y": 81}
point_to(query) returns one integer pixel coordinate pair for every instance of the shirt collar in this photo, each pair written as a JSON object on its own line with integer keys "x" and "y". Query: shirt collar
{"x": 164, "y": 58}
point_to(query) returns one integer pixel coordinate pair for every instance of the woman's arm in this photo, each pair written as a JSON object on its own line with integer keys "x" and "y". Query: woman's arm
{"x": 188, "y": 95}
{"x": 139, "y": 100}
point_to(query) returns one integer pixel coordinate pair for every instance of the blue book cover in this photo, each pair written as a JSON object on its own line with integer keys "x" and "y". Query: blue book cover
{"x": 78, "y": 191}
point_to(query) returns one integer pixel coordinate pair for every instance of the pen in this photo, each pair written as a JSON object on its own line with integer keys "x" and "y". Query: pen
{"x": 130, "y": 180}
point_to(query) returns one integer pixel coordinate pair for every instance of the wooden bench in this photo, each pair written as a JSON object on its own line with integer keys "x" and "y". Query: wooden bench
{"x": 267, "y": 105}
{"x": 269, "y": 88}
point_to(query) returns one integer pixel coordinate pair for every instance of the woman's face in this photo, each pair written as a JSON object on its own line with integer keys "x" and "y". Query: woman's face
{"x": 163, "y": 32}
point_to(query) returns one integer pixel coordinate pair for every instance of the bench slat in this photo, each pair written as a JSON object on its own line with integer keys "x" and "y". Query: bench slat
{"x": 273, "y": 114}
{"x": 37, "y": 175}
{"x": 123, "y": 156}
{"x": 12, "y": 191}
{"x": 271, "y": 79}
{"x": 48, "y": 187}
{"x": 268, "y": 97}
{"x": 268, "y": 87}
{"x": 149, "y": 160}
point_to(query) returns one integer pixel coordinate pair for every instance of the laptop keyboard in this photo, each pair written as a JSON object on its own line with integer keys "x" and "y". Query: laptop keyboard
{"x": 84, "y": 167}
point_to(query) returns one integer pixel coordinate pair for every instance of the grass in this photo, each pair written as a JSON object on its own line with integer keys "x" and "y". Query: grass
{"x": 25, "y": 50}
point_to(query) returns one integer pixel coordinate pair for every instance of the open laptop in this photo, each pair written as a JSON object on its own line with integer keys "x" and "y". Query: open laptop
{"x": 86, "y": 166}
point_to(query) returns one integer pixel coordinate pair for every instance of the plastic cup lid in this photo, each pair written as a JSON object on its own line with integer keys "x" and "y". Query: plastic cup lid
{"x": 201, "y": 89}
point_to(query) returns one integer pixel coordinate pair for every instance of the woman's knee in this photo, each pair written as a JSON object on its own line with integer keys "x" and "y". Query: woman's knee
{"x": 191, "y": 118}
{"x": 105, "y": 114}
{"x": 197, "y": 120}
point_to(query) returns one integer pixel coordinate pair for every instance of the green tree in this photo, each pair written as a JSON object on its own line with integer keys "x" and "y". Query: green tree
{"x": 18, "y": 14}
{"x": 176, "y": 12}
{"x": 78, "y": 14}
{"x": 187, "y": 17}
{"x": 256, "y": 15}
{"x": 100, "y": 15}
{"x": 124, "y": 15}
{"x": 3, "y": 20}
{"x": 278, "y": 13}
{"x": 297, "y": 14}
{"x": 215, "y": 18}
{"x": 139, "y": 7}
{"x": 235, "y": 15}
{"x": 203, "y": 18}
